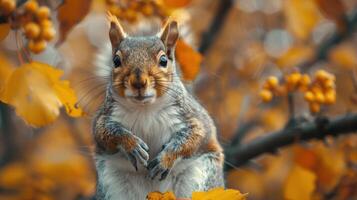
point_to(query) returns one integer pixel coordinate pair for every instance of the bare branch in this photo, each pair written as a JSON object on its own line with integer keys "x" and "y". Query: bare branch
{"x": 318, "y": 129}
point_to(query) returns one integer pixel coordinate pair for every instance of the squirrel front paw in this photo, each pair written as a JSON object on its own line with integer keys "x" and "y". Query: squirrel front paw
{"x": 161, "y": 165}
{"x": 136, "y": 149}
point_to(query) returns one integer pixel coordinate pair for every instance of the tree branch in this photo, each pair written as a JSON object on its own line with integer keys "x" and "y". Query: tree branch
{"x": 210, "y": 35}
{"x": 324, "y": 48}
{"x": 319, "y": 129}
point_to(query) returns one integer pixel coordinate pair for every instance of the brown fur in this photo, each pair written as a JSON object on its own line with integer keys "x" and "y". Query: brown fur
{"x": 190, "y": 146}
{"x": 214, "y": 147}
{"x": 161, "y": 79}
{"x": 108, "y": 142}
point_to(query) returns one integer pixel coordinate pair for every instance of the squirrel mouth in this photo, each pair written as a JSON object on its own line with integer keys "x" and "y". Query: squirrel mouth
{"x": 142, "y": 98}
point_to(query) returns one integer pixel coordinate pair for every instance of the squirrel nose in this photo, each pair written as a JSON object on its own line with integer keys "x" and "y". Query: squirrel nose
{"x": 139, "y": 84}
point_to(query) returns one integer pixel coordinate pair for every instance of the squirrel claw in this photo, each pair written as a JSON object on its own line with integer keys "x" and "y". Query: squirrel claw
{"x": 139, "y": 153}
{"x": 156, "y": 169}
{"x": 132, "y": 159}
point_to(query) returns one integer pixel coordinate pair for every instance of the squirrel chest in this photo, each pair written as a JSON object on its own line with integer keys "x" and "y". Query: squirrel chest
{"x": 154, "y": 124}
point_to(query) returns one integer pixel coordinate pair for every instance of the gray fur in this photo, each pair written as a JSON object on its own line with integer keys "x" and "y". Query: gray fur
{"x": 163, "y": 126}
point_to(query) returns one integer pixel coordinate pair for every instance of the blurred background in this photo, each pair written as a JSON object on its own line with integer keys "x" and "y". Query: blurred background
{"x": 227, "y": 50}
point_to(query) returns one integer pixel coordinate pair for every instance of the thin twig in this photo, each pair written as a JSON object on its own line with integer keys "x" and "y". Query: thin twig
{"x": 210, "y": 35}
{"x": 335, "y": 39}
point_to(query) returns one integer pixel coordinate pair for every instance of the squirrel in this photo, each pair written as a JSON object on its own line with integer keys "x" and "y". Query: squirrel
{"x": 150, "y": 133}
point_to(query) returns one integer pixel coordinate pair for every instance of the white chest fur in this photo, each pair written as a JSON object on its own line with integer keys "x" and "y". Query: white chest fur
{"x": 153, "y": 124}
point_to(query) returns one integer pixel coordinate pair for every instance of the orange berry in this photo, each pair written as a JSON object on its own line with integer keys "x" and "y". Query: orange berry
{"x": 130, "y": 15}
{"x": 115, "y": 10}
{"x": 330, "y": 97}
{"x": 134, "y": 5}
{"x": 7, "y": 6}
{"x": 321, "y": 75}
{"x": 281, "y": 90}
{"x": 43, "y": 13}
{"x": 31, "y": 6}
{"x": 266, "y": 95}
{"x": 266, "y": 86}
{"x": 316, "y": 89}
{"x": 37, "y": 46}
{"x": 46, "y": 23}
{"x": 273, "y": 81}
{"x": 292, "y": 80}
{"x": 309, "y": 96}
{"x": 329, "y": 84}
{"x": 305, "y": 80}
{"x": 314, "y": 107}
{"x": 48, "y": 33}
{"x": 147, "y": 9}
{"x": 320, "y": 98}
{"x": 32, "y": 30}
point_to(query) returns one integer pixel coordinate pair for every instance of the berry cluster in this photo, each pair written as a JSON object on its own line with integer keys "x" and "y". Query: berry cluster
{"x": 317, "y": 92}
{"x": 321, "y": 91}
{"x": 33, "y": 19}
{"x": 38, "y": 26}
{"x": 130, "y": 10}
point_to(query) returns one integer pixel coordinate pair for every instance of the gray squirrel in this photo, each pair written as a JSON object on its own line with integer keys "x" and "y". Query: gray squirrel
{"x": 150, "y": 133}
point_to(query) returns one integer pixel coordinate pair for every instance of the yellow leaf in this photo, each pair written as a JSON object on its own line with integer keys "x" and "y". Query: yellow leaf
{"x": 331, "y": 167}
{"x": 219, "y": 194}
{"x": 68, "y": 98}
{"x": 302, "y": 16}
{"x": 344, "y": 56}
{"x": 295, "y": 56}
{"x": 36, "y": 92}
{"x": 161, "y": 196}
{"x": 13, "y": 175}
{"x": 299, "y": 184}
{"x": 4, "y": 30}
{"x": 70, "y": 14}
{"x": 189, "y": 59}
{"x": 6, "y": 69}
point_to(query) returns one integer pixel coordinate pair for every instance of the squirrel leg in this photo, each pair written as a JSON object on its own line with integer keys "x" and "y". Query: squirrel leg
{"x": 205, "y": 173}
{"x": 182, "y": 145}
{"x": 111, "y": 137}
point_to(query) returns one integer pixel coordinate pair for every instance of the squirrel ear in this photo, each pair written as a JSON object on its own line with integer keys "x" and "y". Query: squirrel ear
{"x": 116, "y": 33}
{"x": 170, "y": 35}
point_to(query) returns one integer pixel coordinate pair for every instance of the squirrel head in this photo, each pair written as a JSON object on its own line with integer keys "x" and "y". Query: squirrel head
{"x": 143, "y": 67}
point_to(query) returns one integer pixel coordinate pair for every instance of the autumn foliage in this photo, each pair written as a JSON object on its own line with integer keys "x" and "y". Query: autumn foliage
{"x": 260, "y": 67}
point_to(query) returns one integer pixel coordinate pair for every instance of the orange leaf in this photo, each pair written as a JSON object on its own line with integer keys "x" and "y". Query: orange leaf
{"x": 302, "y": 16}
{"x": 218, "y": 193}
{"x": 299, "y": 184}
{"x": 4, "y": 30}
{"x": 161, "y": 196}
{"x": 70, "y": 14}
{"x": 189, "y": 60}
{"x": 344, "y": 56}
{"x": 295, "y": 56}
{"x": 6, "y": 69}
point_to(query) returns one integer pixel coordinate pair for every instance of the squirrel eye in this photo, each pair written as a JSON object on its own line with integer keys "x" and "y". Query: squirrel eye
{"x": 163, "y": 61}
{"x": 116, "y": 61}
